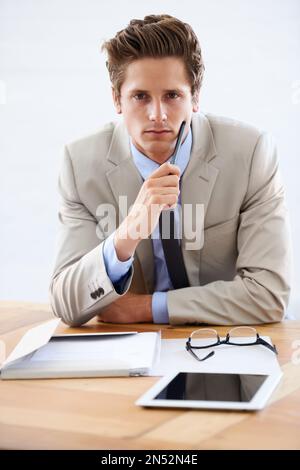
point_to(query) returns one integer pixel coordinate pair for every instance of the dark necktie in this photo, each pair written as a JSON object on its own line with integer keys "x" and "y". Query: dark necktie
{"x": 172, "y": 252}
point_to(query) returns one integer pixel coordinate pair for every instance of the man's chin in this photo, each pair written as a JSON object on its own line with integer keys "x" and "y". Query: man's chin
{"x": 158, "y": 148}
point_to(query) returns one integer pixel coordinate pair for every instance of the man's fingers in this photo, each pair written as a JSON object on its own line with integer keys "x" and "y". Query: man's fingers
{"x": 169, "y": 180}
{"x": 164, "y": 200}
{"x": 166, "y": 169}
{"x": 165, "y": 190}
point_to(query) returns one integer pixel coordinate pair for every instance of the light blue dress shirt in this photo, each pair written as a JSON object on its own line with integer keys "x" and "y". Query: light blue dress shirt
{"x": 117, "y": 270}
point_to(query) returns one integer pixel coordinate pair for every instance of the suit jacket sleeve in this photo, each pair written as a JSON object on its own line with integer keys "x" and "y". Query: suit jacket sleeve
{"x": 259, "y": 291}
{"x": 80, "y": 286}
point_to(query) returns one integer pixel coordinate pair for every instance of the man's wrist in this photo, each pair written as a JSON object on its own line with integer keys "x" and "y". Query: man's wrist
{"x": 142, "y": 308}
{"x": 124, "y": 246}
{"x": 146, "y": 308}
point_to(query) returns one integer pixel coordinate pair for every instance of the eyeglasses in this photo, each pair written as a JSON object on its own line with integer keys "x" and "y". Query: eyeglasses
{"x": 238, "y": 336}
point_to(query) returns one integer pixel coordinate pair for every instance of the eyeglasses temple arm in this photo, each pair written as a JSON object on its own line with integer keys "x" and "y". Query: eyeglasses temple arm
{"x": 267, "y": 345}
{"x": 190, "y": 350}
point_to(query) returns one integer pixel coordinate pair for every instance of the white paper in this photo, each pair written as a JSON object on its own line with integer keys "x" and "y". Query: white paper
{"x": 88, "y": 335}
{"x": 136, "y": 350}
{"x": 228, "y": 359}
{"x": 32, "y": 340}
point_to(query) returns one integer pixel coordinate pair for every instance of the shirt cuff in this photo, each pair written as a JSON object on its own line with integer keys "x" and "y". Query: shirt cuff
{"x": 160, "y": 312}
{"x": 115, "y": 268}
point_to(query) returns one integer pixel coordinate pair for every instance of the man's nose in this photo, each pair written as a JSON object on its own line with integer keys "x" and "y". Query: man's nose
{"x": 157, "y": 112}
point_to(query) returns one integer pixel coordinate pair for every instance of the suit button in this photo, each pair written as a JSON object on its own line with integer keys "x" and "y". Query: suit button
{"x": 93, "y": 295}
{"x": 100, "y": 291}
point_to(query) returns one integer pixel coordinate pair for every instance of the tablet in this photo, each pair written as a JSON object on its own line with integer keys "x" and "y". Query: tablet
{"x": 211, "y": 390}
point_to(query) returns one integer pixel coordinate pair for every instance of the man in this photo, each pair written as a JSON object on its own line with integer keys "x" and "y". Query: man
{"x": 239, "y": 273}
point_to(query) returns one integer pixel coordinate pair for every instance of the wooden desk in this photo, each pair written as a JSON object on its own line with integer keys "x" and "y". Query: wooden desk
{"x": 100, "y": 413}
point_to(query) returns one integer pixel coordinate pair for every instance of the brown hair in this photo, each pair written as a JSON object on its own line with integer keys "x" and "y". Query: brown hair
{"x": 154, "y": 36}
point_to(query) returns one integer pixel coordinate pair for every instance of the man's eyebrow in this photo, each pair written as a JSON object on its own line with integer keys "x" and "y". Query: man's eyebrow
{"x": 138, "y": 90}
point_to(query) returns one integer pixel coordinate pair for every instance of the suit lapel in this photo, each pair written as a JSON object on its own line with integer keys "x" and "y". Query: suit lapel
{"x": 196, "y": 188}
{"x": 125, "y": 180}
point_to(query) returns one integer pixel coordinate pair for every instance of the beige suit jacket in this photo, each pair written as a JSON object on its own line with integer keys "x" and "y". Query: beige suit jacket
{"x": 242, "y": 273}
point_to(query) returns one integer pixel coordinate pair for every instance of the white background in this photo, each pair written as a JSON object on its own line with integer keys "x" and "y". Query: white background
{"x": 54, "y": 88}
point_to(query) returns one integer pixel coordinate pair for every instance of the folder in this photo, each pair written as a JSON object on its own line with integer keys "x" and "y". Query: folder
{"x": 42, "y": 355}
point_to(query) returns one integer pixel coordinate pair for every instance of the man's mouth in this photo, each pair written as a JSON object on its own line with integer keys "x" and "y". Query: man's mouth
{"x": 157, "y": 131}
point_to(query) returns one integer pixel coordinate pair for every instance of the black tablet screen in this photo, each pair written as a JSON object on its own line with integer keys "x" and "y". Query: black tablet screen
{"x": 212, "y": 387}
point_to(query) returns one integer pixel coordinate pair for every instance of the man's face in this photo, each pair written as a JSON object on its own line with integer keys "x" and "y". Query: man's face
{"x": 155, "y": 99}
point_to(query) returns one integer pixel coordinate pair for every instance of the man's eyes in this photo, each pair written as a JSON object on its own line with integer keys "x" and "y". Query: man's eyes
{"x": 173, "y": 95}
{"x": 143, "y": 96}
{"x": 140, "y": 96}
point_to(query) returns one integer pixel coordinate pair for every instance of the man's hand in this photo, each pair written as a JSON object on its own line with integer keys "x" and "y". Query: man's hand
{"x": 159, "y": 192}
{"x": 131, "y": 308}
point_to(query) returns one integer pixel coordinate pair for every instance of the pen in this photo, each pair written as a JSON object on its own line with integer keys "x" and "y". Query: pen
{"x": 178, "y": 143}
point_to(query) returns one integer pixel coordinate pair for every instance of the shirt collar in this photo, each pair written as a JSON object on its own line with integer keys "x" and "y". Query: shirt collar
{"x": 146, "y": 166}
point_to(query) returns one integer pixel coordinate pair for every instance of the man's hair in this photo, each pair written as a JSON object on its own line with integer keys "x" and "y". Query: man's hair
{"x": 155, "y": 36}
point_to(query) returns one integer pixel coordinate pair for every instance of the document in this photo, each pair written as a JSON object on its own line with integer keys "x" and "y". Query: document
{"x": 41, "y": 355}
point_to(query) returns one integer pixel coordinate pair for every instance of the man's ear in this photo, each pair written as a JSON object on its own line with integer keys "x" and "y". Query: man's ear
{"x": 116, "y": 100}
{"x": 196, "y": 103}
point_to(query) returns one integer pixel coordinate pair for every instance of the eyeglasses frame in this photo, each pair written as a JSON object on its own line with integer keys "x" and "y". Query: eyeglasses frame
{"x": 259, "y": 340}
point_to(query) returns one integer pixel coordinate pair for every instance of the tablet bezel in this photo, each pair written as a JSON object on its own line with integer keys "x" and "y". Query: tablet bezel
{"x": 257, "y": 403}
